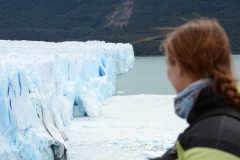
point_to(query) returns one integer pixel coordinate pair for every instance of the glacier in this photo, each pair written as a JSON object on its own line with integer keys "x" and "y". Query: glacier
{"x": 43, "y": 85}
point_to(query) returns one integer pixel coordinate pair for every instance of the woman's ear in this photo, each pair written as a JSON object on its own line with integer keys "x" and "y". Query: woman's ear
{"x": 178, "y": 67}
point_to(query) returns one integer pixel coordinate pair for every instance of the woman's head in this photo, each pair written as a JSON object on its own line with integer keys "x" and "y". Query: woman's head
{"x": 201, "y": 49}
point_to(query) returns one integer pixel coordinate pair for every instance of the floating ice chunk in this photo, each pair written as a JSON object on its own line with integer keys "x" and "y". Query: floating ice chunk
{"x": 120, "y": 92}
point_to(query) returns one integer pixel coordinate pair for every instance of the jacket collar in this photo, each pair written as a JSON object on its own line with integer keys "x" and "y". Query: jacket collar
{"x": 209, "y": 105}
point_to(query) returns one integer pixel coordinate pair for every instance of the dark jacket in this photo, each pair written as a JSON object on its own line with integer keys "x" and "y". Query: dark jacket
{"x": 213, "y": 134}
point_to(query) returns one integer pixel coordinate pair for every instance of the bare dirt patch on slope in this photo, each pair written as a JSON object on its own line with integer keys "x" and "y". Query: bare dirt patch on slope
{"x": 121, "y": 15}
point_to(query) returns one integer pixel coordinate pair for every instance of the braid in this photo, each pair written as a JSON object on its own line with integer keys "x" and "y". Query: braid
{"x": 226, "y": 85}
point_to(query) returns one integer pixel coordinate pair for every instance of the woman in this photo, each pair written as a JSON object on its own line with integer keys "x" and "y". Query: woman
{"x": 200, "y": 69}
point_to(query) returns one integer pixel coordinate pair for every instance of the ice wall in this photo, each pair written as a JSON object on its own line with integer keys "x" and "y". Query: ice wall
{"x": 43, "y": 85}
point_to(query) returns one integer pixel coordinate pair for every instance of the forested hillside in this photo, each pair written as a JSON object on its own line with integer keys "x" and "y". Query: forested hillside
{"x": 112, "y": 20}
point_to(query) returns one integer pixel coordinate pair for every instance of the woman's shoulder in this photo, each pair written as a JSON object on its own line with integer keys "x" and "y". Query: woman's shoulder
{"x": 219, "y": 132}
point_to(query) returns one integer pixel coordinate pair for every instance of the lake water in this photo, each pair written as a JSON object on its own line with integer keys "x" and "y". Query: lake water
{"x": 149, "y": 77}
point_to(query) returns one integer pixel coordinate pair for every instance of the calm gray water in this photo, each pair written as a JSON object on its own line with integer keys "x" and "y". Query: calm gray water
{"x": 149, "y": 77}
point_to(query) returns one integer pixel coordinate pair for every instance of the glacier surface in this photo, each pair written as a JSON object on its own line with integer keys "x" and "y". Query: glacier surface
{"x": 133, "y": 127}
{"x": 43, "y": 85}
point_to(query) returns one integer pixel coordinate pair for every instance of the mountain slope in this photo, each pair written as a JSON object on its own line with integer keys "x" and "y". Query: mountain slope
{"x": 112, "y": 20}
